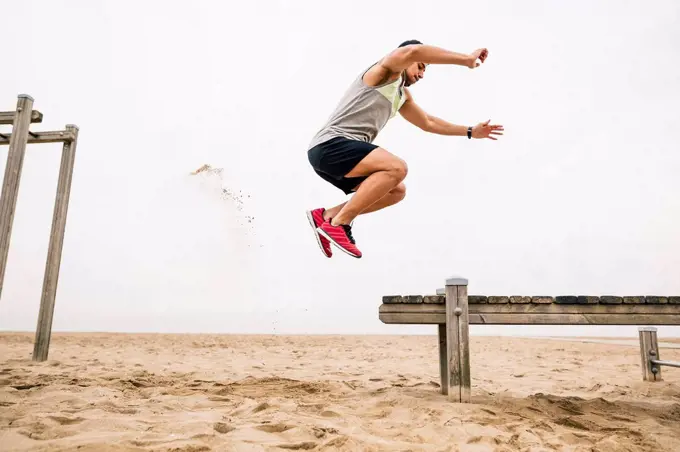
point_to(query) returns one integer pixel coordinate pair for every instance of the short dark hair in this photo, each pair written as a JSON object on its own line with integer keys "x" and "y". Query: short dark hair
{"x": 409, "y": 42}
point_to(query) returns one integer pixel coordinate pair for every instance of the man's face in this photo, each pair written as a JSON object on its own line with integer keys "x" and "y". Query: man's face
{"x": 414, "y": 73}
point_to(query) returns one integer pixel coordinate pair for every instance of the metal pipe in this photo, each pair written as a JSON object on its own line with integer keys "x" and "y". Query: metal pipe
{"x": 664, "y": 363}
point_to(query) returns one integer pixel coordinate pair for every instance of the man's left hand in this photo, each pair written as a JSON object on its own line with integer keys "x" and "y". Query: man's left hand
{"x": 486, "y": 130}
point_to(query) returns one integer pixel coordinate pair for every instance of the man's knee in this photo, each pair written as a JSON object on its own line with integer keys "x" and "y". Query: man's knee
{"x": 399, "y": 192}
{"x": 398, "y": 169}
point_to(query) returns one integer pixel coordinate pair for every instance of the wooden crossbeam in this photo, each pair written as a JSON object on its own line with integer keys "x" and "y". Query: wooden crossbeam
{"x": 7, "y": 117}
{"x": 576, "y": 309}
{"x": 392, "y": 318}
{"x": 57, "y": 136}
{"x": 527, "y": 314}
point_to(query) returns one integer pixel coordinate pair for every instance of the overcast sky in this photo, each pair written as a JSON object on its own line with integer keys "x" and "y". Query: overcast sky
{"x": 581, "y": 195}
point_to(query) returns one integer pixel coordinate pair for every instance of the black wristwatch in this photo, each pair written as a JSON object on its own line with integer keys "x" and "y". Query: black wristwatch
{"x": 469, "y": 132}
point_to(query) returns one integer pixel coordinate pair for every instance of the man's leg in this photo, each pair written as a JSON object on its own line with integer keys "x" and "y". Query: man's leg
{"x": 385, "y": 172}
{"x": 394, "y": 196}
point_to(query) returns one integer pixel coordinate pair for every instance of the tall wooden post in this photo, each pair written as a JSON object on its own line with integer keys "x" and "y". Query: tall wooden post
{"x": 44, "y": 330}
{"x": 458, "y": 339}
{"x": 649, "y": 349}
{"x": 443, "y": 358}
{"x": 10, "y": 186}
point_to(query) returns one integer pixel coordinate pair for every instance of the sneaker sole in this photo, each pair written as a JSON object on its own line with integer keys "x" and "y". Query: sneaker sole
{"x": 322, "y": 232}
{"x": 310, "y": 218}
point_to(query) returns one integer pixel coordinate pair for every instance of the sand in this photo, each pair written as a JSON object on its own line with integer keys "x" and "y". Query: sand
{"x": 116, "y": 392}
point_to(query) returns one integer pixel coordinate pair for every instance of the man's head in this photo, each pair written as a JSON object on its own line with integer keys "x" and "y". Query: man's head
{"x": 415, "y": 71}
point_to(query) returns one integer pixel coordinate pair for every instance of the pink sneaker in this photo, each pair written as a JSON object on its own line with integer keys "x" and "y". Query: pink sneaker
{"x": 340, "y": 236}
{"x": 315, "y": 218}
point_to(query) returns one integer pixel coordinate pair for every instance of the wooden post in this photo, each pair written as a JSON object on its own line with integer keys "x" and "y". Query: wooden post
{"x": 649, "y": 349}
{"x": 443, "y": 359}
{"x": 457, "y": 339}
{"x": 44, "y": 329}
{"x": 10, "y": 186}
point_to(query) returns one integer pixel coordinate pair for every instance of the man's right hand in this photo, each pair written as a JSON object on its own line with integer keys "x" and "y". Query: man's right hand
{"x": 479, "y": 54}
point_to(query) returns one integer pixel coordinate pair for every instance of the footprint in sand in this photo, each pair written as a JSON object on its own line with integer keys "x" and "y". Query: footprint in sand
{"x": 261, "y": 407}
{"x": 27, "y": 386}
{"x": 353, "y": 385}
{"x": 622, "y": 418}
{"x": 274, "y": 428}
{"x": 312, "y": 406}
{"x": 221, "y": 427}
{"x": 571, "y": 422}
{"x": 570, "y": 407}
{"x": 111, "y": 407}
{"x": 248, "y": 409}
{"x": 336, "y": 443}
{"x": 322, "y": 432}
{"x": 63, "y": 420}
{"x": 43, "y": 432}
{"x": 307, "y": 445}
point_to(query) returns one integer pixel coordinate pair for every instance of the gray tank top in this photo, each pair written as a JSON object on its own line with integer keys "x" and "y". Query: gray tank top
{"x": 363, "y": 111}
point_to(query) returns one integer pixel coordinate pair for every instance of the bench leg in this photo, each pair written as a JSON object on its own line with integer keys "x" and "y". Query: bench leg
{"x": 457, "y": 340}
{"x": 649, "y": 349}
{"x": 443, "y": 359}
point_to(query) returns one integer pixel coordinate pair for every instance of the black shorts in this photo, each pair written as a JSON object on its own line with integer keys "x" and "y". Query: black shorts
{"x": 336, "y": 157}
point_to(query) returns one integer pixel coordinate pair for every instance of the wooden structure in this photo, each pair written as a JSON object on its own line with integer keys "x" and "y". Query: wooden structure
{"x": 453, "y": 310}
{"x": 21, "y": 119}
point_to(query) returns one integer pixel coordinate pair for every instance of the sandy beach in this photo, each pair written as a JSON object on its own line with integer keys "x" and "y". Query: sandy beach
{"x": 124, "y": 392}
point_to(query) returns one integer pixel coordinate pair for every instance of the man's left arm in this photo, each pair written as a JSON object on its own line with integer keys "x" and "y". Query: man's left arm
{"x": 414, "y": 114}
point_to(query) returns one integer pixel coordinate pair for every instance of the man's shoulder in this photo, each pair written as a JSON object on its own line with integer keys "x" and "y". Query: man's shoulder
{"x": 378, "y": 75}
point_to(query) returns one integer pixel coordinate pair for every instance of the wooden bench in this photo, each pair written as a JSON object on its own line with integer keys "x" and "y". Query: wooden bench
{"x": 453, "y": 310}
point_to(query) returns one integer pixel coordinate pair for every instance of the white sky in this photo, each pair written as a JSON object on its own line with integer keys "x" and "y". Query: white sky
{"x": 579, "y": 197}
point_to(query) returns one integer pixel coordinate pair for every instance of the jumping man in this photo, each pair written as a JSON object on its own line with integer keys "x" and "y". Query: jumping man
{"x": 343, "y": 153}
